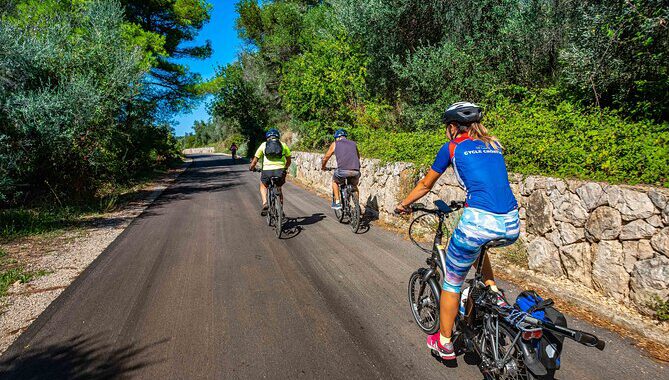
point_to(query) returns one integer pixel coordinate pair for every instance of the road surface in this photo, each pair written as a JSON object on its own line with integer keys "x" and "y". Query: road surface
{"x": 199, "y": 287}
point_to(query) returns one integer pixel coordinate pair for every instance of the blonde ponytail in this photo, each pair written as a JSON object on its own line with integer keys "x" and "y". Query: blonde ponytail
{"x": 478, "y": 132}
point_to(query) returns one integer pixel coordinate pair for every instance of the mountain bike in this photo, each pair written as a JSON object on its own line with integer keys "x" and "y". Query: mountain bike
{"x": 502, "y": 337}
{"x": 275, "y": 216}
{"x": 350, "y": 205}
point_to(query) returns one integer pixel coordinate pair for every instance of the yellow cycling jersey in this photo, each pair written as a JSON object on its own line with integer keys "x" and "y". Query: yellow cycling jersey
{"x": 269, "y": 164}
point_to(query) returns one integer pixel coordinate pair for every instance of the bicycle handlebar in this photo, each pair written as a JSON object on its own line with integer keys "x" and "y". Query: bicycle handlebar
{"x": 442, "y": 208}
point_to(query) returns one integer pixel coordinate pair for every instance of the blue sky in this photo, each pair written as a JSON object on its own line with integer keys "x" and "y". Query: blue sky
{"x": 221, "y": 32}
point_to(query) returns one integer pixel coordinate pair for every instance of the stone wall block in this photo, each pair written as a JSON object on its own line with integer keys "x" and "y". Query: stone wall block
{"x": 636, "y": 230}
{"x": 570, "y": 234}
{"x": 659, "y": 199}
{"x": 649, "y": 281}
{"x": 532, "y": 183}
{"x": 660, "y": 242}
{"x": 632, "y": 204}
{"x": 556, "y": 184}
{"x": 655, "y": 221}
{"x": 592, "y": 195}
{"x": 603, "y": 224}
{"x": 577, "y": 262}
{"x": 449, "y": 178}
{"x": 568, "y": 208}
{"x": 543, "y": 256}
{"x": 641, "y": 250}
{"x": 554, "y": 237}
{"x": 539, "y": 213}
{"x": 608, "y": 271}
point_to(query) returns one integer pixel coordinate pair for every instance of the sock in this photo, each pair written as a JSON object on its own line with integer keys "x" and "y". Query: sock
{"x": 493, "y": 287}
{"x": 444, "y": 340}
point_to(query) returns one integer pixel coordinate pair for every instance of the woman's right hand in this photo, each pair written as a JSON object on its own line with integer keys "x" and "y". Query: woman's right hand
{"x": 401, "y": 209}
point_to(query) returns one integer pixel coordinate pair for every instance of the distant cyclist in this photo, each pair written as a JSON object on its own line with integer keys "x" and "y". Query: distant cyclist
{"x": 491, "y": 210}
{"x": 275, "y": 160}
{"x": 348, "y": 164}
{"x": 233, "y": 150}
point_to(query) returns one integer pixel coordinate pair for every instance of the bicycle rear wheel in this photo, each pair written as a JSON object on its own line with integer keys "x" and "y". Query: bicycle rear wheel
{"x": 354, "y": 206}
{"x": 501, "y": 339}
{"x": 270, "y": 207}
{"x": 424, "y": 302}
{"x": 278, "y": 222}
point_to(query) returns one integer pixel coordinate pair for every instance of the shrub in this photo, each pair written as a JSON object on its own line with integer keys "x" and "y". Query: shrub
{"x": 545, "y": 135}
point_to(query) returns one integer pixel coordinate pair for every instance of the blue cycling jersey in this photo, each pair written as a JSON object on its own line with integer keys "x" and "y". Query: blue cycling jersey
{"x": 481, "y": 171}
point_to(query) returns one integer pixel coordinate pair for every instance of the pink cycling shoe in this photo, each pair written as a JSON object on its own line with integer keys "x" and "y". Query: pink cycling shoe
{"x": 446, "y": 352}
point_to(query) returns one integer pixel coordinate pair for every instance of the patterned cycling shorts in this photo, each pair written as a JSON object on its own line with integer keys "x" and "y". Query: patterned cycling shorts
{"x": 475, "y": 229}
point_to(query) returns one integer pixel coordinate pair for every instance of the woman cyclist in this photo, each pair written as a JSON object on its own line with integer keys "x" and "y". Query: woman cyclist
{"x": 490, "y": 213}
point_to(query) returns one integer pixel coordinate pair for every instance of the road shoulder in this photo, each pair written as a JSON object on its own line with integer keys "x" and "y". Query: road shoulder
{"x": 65, "y": 256}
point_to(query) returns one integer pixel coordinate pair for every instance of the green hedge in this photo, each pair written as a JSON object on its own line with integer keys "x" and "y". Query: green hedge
{"x": 546, "y": 136}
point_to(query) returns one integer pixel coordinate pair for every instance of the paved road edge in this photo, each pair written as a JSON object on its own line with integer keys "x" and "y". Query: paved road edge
{"x": 12, "y": 338}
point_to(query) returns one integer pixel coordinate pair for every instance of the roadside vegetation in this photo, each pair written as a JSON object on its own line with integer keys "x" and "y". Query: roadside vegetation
{"x": 81, "y": 118}
{"x": 573, "y": 89}
{"x": 12, "y": 271}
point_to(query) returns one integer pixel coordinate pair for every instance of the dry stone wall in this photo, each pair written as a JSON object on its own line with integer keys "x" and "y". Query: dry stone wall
{"x": 611, "y": 238}
{"x": 198, "y": 150}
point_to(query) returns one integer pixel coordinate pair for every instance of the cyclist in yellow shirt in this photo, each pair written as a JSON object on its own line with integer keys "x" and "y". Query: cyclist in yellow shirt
{"x": 275, "y": 157}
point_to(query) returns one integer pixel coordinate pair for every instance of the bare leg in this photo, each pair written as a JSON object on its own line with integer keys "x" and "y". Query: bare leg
{"x": 263, "y": 194}
{"x": 335, "y": 191}
{"x": 448, "y": 309}
{"x": 486, "y": 271}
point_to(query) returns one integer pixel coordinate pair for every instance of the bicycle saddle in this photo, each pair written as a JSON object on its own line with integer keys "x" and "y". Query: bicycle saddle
{"x": 497, "y": 243}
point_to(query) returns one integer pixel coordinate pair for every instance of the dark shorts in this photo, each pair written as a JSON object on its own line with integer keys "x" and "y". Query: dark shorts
{"x": 267, "y": 174}
{"x": 340, "y": 175}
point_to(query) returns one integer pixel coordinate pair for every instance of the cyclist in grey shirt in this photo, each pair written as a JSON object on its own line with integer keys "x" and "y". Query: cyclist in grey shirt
{"x": 348, "y": 164}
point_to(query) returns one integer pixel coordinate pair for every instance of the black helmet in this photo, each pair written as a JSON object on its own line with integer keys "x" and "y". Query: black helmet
{"x": 462, "y": 113}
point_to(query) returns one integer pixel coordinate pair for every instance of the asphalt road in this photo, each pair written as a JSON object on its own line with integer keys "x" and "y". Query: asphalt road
{"x": 199, "y": 287}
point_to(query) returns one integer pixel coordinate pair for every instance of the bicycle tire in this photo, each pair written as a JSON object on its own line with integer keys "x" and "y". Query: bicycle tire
{"x": 278, "y": 225}
{"x": 427, "y": 300}
{"x": 507, "y": 336}
{"x": 270, "y": 207}
{"x": 354, "y": 204}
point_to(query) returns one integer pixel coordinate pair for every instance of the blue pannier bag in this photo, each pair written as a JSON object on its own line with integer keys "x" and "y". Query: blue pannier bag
{"x": 549, "y": 347}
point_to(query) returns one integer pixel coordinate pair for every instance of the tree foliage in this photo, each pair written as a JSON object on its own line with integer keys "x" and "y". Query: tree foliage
{"x": 77, "y": 112}
{"x": 386, "y": 69}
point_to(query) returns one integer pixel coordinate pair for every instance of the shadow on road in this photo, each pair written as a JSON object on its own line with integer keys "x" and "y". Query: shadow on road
{"x": 294, "y": 226}
{"x": 371, "y": 214}
{"x": 78, "y": 358}
{"x": 213, "y": 175}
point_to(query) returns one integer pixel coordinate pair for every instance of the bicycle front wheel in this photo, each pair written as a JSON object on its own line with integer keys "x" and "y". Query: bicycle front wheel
{"x": 354, "y": 205}
{"x": 278, "y": 222}
{"x": 424, "y": 302}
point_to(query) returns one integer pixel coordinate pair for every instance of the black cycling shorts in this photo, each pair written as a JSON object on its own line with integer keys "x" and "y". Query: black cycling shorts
{"x": 267, "y": 174}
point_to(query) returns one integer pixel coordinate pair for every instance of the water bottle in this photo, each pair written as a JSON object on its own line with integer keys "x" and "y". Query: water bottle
{"x": 463, "y": 301}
